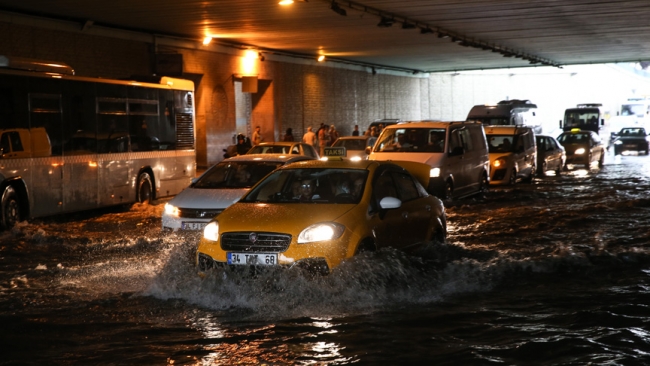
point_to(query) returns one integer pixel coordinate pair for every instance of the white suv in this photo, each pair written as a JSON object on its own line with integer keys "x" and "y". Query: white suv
{"x": 456, "y": 151}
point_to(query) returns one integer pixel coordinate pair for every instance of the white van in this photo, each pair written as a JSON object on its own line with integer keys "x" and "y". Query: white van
{"x": 515, "y": 112}
{"x": 456, "y": 151}
{"x": 513, "y": 154}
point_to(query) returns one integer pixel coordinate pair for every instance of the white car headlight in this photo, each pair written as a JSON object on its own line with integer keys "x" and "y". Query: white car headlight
{"x": 434, "y": 173}
{"x": 580, "y": 151}
{"x": 171, "y": 210}
{"x": 320, "y": 232}
{"x": 211, "y": 231}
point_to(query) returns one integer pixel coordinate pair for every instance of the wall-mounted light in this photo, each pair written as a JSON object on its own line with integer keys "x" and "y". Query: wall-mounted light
{"x": 337, "y": 9}
{"x": 207, "y": 40}
{"x": 321, "y": 58}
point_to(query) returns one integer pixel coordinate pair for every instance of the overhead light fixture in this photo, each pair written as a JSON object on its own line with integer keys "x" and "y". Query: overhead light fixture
{"x": 286, "y": 2}
{"x": 337, "y": 9}
{"x": 443, "y": 35}
{"x": 386, "y": 22}
{"x": 207, "y": 40}
{"x": 321, "y": 58}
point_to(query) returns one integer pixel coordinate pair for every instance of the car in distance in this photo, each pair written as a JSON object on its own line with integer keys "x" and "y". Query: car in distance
{"x": 284, "y": 148}
{"x": 550, "y": 155}
{"x": 582, "y": 147}
{"x": 513, "y": 154}
{"x": 631, "y": 139}
{"x": 315, "y": 214}
{"x": 217, "y": 188}
{"x": 355, "y": 146}
{"x": 456, "y": 152}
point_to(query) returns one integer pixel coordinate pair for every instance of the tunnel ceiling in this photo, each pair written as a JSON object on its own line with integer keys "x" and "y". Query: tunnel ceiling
{"x": 407, "y": 35}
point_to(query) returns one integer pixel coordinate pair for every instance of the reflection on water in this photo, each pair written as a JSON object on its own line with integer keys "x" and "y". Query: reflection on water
{"x": 558, "y": 269}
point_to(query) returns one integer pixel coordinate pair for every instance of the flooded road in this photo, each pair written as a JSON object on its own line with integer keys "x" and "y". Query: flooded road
{"x": 556, "y": 272}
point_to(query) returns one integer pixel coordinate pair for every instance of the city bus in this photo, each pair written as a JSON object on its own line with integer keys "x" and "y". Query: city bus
{"x": 70, "y": 143}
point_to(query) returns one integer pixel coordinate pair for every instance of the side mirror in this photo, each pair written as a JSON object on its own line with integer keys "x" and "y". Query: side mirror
{"x": 388, "y": 203}
{"x": 368, "y": 150}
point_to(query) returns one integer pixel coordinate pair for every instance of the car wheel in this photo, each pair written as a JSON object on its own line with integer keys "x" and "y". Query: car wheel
{"x": 145, "y": 189}
{"x": 484, "y": 185}
{"x": 531, "y": 176}
{"x": 542, "y": 171}
{"x": 601, "y": 160}
{"x": 513, "y": 177}
{"x": 10, "y": 208}
{"x": 440, "y": 235}
{"x": 448, "y": 193}
{"x": 366, "y": 246}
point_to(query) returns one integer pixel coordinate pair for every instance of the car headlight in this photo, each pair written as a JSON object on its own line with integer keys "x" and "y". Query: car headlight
{"x": 434, "y": 173}
{"x": 211, "y": 231}
{"x": 500, "y": 162}
{"x": 171, "y": 210}
{"x": 618, "y": 142}
{"x": 320, "y": 232}
{"x": 580, "y": 151}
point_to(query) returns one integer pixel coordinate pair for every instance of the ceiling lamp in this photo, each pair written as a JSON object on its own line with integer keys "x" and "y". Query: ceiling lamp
{"x": 337, "y": 9}
{"x": 207, "y": 40}
{"x": 386, "y": 22}
{"x": 286, "y": 2}
{"x": 321, "y": 58}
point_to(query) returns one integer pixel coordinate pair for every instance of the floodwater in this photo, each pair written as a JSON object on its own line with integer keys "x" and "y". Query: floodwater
{"x": 556, "y": 272}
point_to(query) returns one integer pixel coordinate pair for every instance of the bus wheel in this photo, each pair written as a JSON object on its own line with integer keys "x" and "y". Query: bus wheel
{"x": 10, "y": 208}
{"x": 144, "y": 189}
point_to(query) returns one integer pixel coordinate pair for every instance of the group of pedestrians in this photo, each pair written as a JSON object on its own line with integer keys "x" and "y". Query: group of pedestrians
{"x": 325, "y": 136}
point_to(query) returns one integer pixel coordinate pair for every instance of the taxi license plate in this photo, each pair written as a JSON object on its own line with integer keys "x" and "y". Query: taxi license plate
{"x": 253, "y": 259}
{"x": 193, "y": 225}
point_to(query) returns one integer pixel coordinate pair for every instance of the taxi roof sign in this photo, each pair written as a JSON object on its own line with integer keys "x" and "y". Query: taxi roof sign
{"x": 334, "y": 153}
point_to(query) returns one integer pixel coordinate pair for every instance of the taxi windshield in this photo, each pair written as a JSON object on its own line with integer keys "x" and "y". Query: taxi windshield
{"x": 235, "y": 174}
{"x": 500, "y": 143}
{"x": 326, "y": 185}
{"x": 573, "y": 138}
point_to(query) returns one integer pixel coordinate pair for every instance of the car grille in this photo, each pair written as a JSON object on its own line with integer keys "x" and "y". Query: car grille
{"x": 265, "y": 242}
{"x": 192, "y": 213}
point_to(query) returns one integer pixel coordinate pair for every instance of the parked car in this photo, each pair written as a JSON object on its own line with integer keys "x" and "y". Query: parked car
{"x": 631, "y": 139}
{"x": 217, "y": 188}
{"x": 283, "y": 148}
{"x": 551, "y": 156}
{"x": 355, "y": 146}
{"x": 316, "y": 214}
{"x": 456, "y": 152}
{"x": 582, "y": 147}
{"x": 513, "y": 154}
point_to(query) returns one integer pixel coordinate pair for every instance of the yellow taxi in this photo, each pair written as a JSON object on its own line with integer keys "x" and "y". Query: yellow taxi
{"x": 316, "y": 214}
